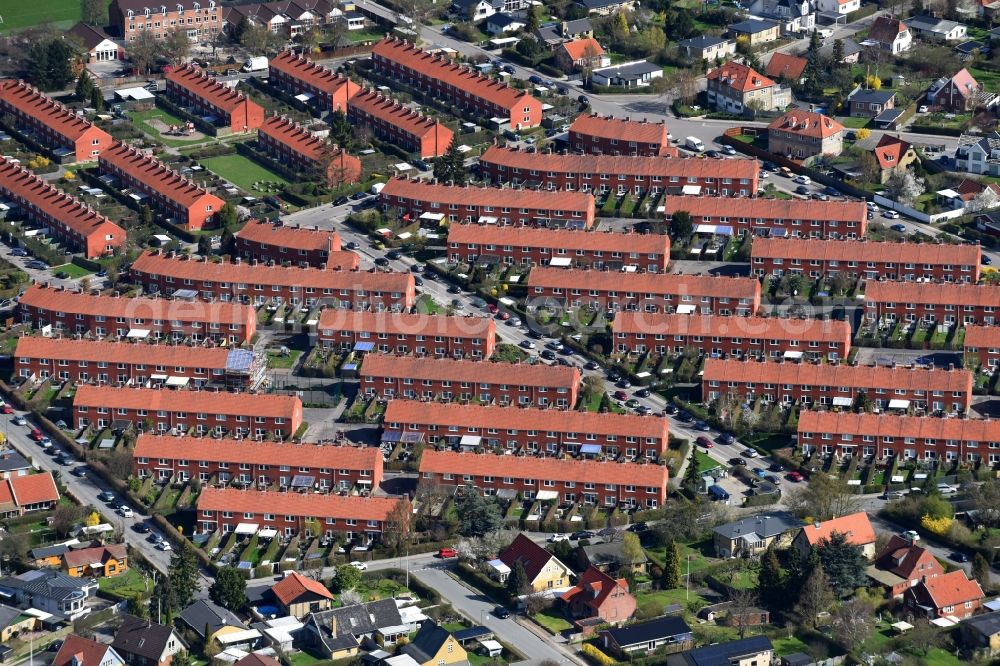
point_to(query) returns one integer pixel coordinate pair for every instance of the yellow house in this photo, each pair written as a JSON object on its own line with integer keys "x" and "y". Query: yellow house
{"x": 435, "y": 646}
{"x": 14, "y": 621}
{"x": 544, "y": 570}
{"x": 95, "y": 562}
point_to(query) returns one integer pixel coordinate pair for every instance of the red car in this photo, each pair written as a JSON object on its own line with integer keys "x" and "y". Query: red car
{"x": 36, "y": 435}
{"x": 447, "y": 552}
{"x": 503, "y": 316}
{"x": 6, "y": 409}
{"x": 492, "y": 308}
{"x": 705, "y": 442}
{"x": 795, "y": 476}
{"x": 621, "y": 395}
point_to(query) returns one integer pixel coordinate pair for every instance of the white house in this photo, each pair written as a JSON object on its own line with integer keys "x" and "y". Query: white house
{"x": 978, "y": 154}
{"x": 637, "y": 74}
{"x": 890, "y": 34}
{"x": 937, "y": 29}
{"x": 837, "y": 6}
{"x": 99, "y": 46}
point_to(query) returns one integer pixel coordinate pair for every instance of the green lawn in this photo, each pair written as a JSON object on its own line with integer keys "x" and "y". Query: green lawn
{"x": 663, "y": 598}
{"x": 851, "y": 122}
{"x": 785, "y": 646}
{"x": 705, "y": 462}
{"x": 241, "y": 171}
{"x": 305, "y": 659}
{"x": 129, "y": 585}
{"x": 552, "y": 621}
{"x": 140, "y": 118}
{"x": 989, "y": 79}
{"x": 276, "y": 360}
{"x": 18, "y": 14}
{"x": 73, "y": 270}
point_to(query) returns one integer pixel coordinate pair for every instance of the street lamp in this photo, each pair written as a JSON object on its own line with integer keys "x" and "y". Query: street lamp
{"x": 687, "y": 580}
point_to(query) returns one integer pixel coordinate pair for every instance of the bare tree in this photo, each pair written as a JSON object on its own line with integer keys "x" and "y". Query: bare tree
{"x": 741, "y": 610}
{"x": 177, "y": 46}
{"x": 144, "y": 51}
{"x": 824, "y": 498}
{"x": 814, "y": 597}
{"x": 853, "y": 622}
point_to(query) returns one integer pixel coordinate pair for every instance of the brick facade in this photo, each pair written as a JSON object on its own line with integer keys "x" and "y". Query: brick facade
{"x": 201, "y": 20}
{"x": 192, "y": 86}
{"x": 982, "y": 346}
{"x": 405, "y": 333}
{"x": 298, "y": 75}
{"x": 608, "y": 135}
{"x": 399, "y": 125}
{"x": 291, "y": 145}
{"x": 265, "y": 241}
{"x": 944, "y": 303}
{"x": 774, "y": 217}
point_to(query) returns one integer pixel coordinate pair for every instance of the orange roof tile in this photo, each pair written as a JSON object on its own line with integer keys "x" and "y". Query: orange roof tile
{"x": 58, "y": 118}
{"x": 395, "y": 114}
{"x": 899, "y": 426}
{"x": 890, "y": 150}
{"x": 620, "y": 129}
{"x": 933, "y": 293}
{"x": 121, "y": 352}
{"x": 548, "y": 469}
{"x": 294, "y": 585}
{"x": 296, "y": 504}
{"x": 806, "y": 123}
{"x": 213, "y": 402}
{"x": 85, "y": 651}
{"x": 554, "y": 239}
{"x": 980, "y": 337}
{"x": 645, "y": 283}
{"x": 902, "y": 557}
{"x": 582, "y": 48}
{"x": 406, "y": 323}
{"x": 438, "y": 369}
{"x": 318, "y": 76}
{"x": 740, "y": 77}
{"x": 498, "y": 197}
{"x": 414, "y": 412}
{"x": 300, "y": 140}
{"x": 863, "y": 251}
{"x": 855, "y": 526}
{"x": 33, "y": 489}
{"x": 771, "y": 328}
{"x": 785, "y": 65}
{"x": 199, "y": 83}
{"x": 951, "y": 589}
{"x": 257, "y": 453}
{"x": 719, "y": 208}
{"x": 595, "y": 586}
{"x": 854, "y": 377}
{"x": 158, "y": 177}
{"x": 293, "y": 238}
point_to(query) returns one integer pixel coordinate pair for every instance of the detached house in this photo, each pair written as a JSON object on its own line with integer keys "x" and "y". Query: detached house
{"x": 545, "y": 571}
{"x": 752, "y": 536}
{"x": 893, "y": 155}
{"x": 959, "y": 93}
{"x": 978, "y": 154}
{"x": 890, "y": 34}
{"x": 100, "y": 561}
{"x": 644, "y": 637}
{"x": 78, "y": 651}
{"x": 735, "y": 87}
{"x": 784, "y": 66}
{"x": 864, "y": 103}
{"x": 952, "y": 594}
{"x": 434, "y": 646}
{"x": 856, "y": 527}
{"x": 581, "y": 54}
{"x": 903, "y": 564}
{"x": 145, "y": 643}
{"x": 794, "y": 16}
{"x": 299, "y": 596}
{"x": 708, "y": 47}
{"x": 839, "y": 7}
{"x": 803, "y": 134}
{"x": 937, "y": 29}
{"x": 598, "y": 596}
{"x": 756, "y": 31}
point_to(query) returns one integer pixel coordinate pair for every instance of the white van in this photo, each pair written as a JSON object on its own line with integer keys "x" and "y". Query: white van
{"x": 694, "y": 143}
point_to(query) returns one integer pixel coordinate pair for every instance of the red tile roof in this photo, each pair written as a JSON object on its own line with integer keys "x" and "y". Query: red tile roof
{"x": 293, "y": 238}
{"x": 806, "y": 123}
{"x": 890, "y": 150}
{"x": 531, "y": 556}
{"x": 285, "y": 276}
{"x": 33, "y": 489}
{"x": 620, "y": 129}
{"x": 199, "y": 83}
{"x": 299, "y": 139}
{"x": 257, "y": 453}
{"x": 21, "y": 184}
{"x": 406, "y": 323}
{"x": 297, "y": 504}
{"x": 61, "y": 120}
{"x": 192, "y": 402}
{"x": 863, "y": 251}
{"x": 317, "y": 76}
{"x": 55, "y": 299}
{"x": 85, "y": 651}
{"x": 594, "y": 587}
{"x": 933, "y": 293}
{"x": 498, "y": 197}
{"x": 813, "y": 374}
{"x": 950, "y": 589}
{"x": 295, "y": 585}
{"x": 461, "y": 77}
{"x": 740, "y": 77}
{"x": 907, "y": 560}
{"x": 899, "y": 426}
{"x": 439, "y": 369}
{"x": 855, "y": 526}
{"x": 645, "y": 283}
{"x": 665, "y": 167}
{"x": 546, "y": 469}
{"x": 981, "y": 337}
{"x": 582, "y": 48}
{"x": 785, "y": 65}
{"x": 789, "y": 210}
{"x": 158, "y": 177}
{"x": 85, "y": 556}
{"x": 555, "y": 239}
{"x": 54, "y": 349}
{"x": 254, "y": 659}
{"x": 395, "y": 114}
{"x": 970, "y": 187}
{"x": 770, "y": 328}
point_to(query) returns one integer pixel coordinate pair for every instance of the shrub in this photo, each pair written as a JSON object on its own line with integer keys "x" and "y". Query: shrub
{"x": 596, "y": 656}
{"x": 938, "y": 526}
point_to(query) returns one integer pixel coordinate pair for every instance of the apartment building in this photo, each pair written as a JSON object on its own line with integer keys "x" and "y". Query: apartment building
{"x": 460, "y": 86}
{"x": 592, "y": 482}
{"x": 200, "y": 19}
{"x": 138, "y": 363}
{"x": 620, "y": 174}
{"x": 539, "y": 246}
{"x": 942, "y": 302}
{"x": 800, "y": 135}
{"x": 192, "y": 86}
{"x": 356, "y": 518}
{"x": 137, "y": 317}
{"x": 266, "y": 241}
{"x": 871, "y": 260}
{"x": 426, "y": 378}
{"x": 774, "y": 217}
{"x": 298, "y": 75}
{"x": 735, "y": 87}
{"x": 647, "y": 292}
{"x": 593, "y": 133}
{"x": 256, "y": 415}
{"x": 263, "y": 464}
{"x": 342, "y": 286}
{"x": 902, "y": 388}
{"x": 399, "y": 125}
{"x": 773, "y": 337}
{"x": 67, "y": 219}
{"x": 880, "y": 436}
{"x": 178, "y": 198}
{"x": 52, "y": 124}
{"x": 530, "y": 430}
{"x": 294, "y": 146}
{"x": 982, "y": 347}
{"x": 488, "y": 205}
{"x": 408, "y": 333}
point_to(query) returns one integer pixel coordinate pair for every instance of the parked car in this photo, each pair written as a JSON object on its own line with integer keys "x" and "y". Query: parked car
{"x": 79, "y": 471}
{"x": 447, "y": 552}
{"x": 803, "y": 180}
{"x": 528, "y": 344}
{"x": 701, "y": 425}
{"x": 556, "y": 538}
{"x": 620, "y": 395}
{"x": 738, "y": 462}
{"x": 726, "y": 438}
{"x": 340, "y": 201}
{"x": 164, "y": 546}
{"x": 393, "y": 254}
{"x": 141, "y": 527}
{"x": 582, "y": 534}
{"x": 891, "y": 214}
{"x": 795, "y": 476}
{"x": 106, "y": 496}
{"x": 20, "y": 420}
{"x": 360, "y": 566}
{"x": 501, "y": 612}
{"x": 643, "y": 393}
{"x": 900, "y": 228}
{"x": 704, "y": 442}
{"x": 748, "y": 453}
{"x": 125, "y": 511}
{"x": 729, "y": 150}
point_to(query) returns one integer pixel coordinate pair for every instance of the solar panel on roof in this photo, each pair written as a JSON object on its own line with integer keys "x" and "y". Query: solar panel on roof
{"x": 239, "y": 360}
{"x": 364, "y": 346}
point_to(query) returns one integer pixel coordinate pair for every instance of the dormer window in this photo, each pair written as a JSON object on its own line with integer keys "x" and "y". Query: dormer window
{"x": 197, "y": 6}
{"x": 163, "y": 9}
{"x": 146, "y": 10}
{"x": 131, "y": 14}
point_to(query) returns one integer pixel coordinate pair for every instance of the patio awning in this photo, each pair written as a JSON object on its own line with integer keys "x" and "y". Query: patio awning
{"x": 237, "y": 637}
{"x": 246, "y": 528}
{"x": 486, "y": 219}
{"x": 560, "y": 262}
{"x": 303, "y": 481}
{"x": 899, "y": 404}
{"x": 304, "y": 97}
{"x": 498, "y": 566}
{"x": 793, "y": 355}
{"x": 267, "y": 533}
{"x": 590, "y": 449}
{"x": 364, "y": 346}
{"x": 686, "y": 309}
{"x": 902, "y": 626}
{"x": 178, "y": 381}
{"x": 691, "y": 190}
{"x": 546, "y": 495}
{"x": 138, "y": 334}
{"x": 714, "y": 229}
{"x": 431, "y": 217}
{"x": 506, "y": 493}
{"x": 841, "y": 401}
{"x": 159, "y": 378}
{"x": 470, "y": 441}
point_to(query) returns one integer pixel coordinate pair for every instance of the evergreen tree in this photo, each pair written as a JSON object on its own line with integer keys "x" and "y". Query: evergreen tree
{"x": 229, "y": 589}
{"x": 228, "y": 217}
{"x": 38, "y": 65}
{"x": 341, "y": 131}
{"x": 517, "y": 581}
{"x": 163, "y": 602}
{"x": 691, "y": 474}
{"x": 844, "y": 564}
{"x": 671, "y": 566}
{"x": 97, "y": 99}
{"x": 146, "y": 215}
{"x": 450, "y": 167}
{"x": 981, "y": 570}
{"x": 183, "y": 575}
{"x": 84, "y": 86}
{"x": 813, "y": 72}
{"x": 838, "y": 52}
{"x": 477, "y": 514}
{"x": 771, "y": 581}
{"x": 681, "y": 225}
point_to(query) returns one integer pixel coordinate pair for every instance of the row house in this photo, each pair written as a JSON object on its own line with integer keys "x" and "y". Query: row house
{"x": 178, "y": 198}
{"x": 102, "y": 361}
{"x": 255, "y": 415}
{"x": 259, "y": 284}
{"x": 77, "y": 312}
{"x": 929, "y": 302}
{"x": 871, "y": 260}
{"x": 773, "y": 337}
{"x": 489, "y": 205}
{"x": 408, "y": 333}
{"x": 592, "y": 482}
{"x": 905, "y": 437}
{"x": 926, "y": 389}
{"x": 288, "y": 18}
{"x": 460, "y": 86}
{"x": 530, "y": 246}
{"x": 528, "y": 429}
{"x": 199, "y": 19}
{"x": 52, "y": 124}
{"x": 399, "y": 125}
{"x": 620, "y": 174}
{"x": 298, "y": 75}
{"x": 646, "y": 292}
{"x": 774, "y": 217}
{"x": 294, "y": 146}
{"x": 67, "y": 219}
{"x": 266, "y": 241}
{"x": 356, "y": 518}
{"x": 982, "y": 347}
{"x": 446, "y": 379}
{"x": 593, "y": 133}
{"x": 263, "y": 464}
{"x": 192, "y": 86}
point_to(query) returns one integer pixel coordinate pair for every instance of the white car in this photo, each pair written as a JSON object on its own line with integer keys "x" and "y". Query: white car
{"x": 360, "y": 566}
{"x": 891, "y": 214}
{"x": 803, "y": 180}
{"x": 20, "y": 420}
{"x": 911, "y": 535}
{"x": 126, "y": 512}
{"x": 163, "y": 545}
{"x": 922, "y": 109}
{"x": 556, "y": 538}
